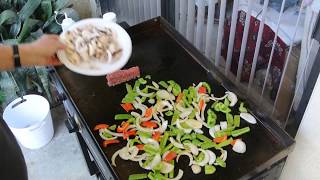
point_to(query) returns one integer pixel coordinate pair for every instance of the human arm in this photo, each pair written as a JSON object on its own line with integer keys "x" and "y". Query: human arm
{"x": 39, "y": 53}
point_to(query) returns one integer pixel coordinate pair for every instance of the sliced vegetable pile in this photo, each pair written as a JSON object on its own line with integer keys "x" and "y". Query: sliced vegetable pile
{"x": 164, "y": 122}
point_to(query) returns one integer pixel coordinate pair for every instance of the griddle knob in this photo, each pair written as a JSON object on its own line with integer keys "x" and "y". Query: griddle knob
{"x": 72, "y": 125}
{"x": 61, "y": 97}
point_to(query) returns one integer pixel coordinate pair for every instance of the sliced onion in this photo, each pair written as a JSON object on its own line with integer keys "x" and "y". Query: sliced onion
{"x": 198, "y": 86}
{"x": 196, "y": 169}
{"x": 163, "y": 94}
{"x": 182, "y": 109}
{"x": 156, "y": 160}
{"x": 239, "y": 146}
{"x": 148, "y": 130}
{"x": 198, "y": 131}
{"x": 151, "y": 101}
{"x": 202, "y": 112}
{"x": 143, "y": 94}
{"x": 135, "y": 114}
{"x": 185, "y": 153}
{"x": 140, "y": 106}
{"x": 185, "y": 114}
{"x": 217, "y": 127}
{"x": 175, "y": 143}
{"x": 166, "y": 167}
{"x": 169, "y": 89}
{"x": 155, "y": 85}
{"x": 150, "y": 141}
{"x": 114, "y": 156}
{"x": 187, "y": 131}
{"x": 124, "y": 153}
{"x": 217, "y": 98}
{"x": 205, "y": 159}
{"x": 224, "y": 155}
{"x": 212, "y": 156}
{"x": 248, "y": 117}
{"x": 194, "y": 124}
{"x": 164, "y": 126}
{"x": 165, "y": 154}
{"x": 211, "y": 132}
{"x": 164, "y": 106}
{"x": 198, "y": 116}
{"x": 139, "y": 157}
{"x": 193, "y": 148}
{"x": 232, "y": 97}
{"x": 178, "y": 177}
{"x": 133, "y": 152}
{"x": 223, "y": 125}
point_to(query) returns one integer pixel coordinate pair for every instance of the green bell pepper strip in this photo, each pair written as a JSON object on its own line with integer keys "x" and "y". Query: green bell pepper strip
{"x": 107, "y": 135}
{"x": 132, "y": 120}
{"x": 227, "y": 132}
{"x": 229, "y": 118}
{"x": 176, "y": 150}
{"x": 203, "y": 138}
{"x": 136, "y": 85}
{"x": 236, "y": 121}
{"x": 150, "y": 149}
{"x": 142, "y": 81}
{"x": 224, "y": 108}
{"x": 135, "y": 140}
{"x": 138, "y": 176}
{"x": 220, "y": 162}
{"x": 196, "y": 142}
{"x": 167, "y": 148}
{"x": 147, "y": 77}
{"x": 163, "y": 84}
{"x": 226, "y": 102}
{"x": 208, "y": 145}
{"x": 129, "y": 88}
{"x": 175, "y": 116}
{"x": 200, "y": 157}
{"x": 239, "y": 132}
{"x": 176, "y": 89}
{"x": 224, "y": 143}
{"x": 185, "y": 142}
{"x": 144, "y": 134}
{"x": 122, "y": 117}
{"x": 242, "y": 109}
{"x": 211, "y": 118}
{"x": 193, "y": 135}
{"x": 207, "y": 86}
{"x": 130, "y": 97}
{"x": 168, "y": 113}
{"x": 113, "y": 127}
{"x": 192, "y": 115}
{"x": 164, "y": 140}
{"x": 215, "y": 106}
{"x": 171, "y": 174}
{"x": 186, "y": 137}
{"x": 143, "y": 99}
{"x": 209, "y": 169}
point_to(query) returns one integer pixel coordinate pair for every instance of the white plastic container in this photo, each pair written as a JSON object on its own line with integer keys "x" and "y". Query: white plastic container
{"x": 30, "y": 121}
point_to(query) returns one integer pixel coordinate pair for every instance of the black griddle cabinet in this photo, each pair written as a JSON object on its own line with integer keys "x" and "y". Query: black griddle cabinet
{"x": 159, "y": 50}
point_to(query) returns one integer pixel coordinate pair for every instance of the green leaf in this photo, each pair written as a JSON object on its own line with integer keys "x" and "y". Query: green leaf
{"x": 8, "y": 17}
{"x": 3, "y": 33}
{"x": 27, "y": 27}
{"x": 46, "y": 7}
{"x": 11, "y": 41}
{"x": 28, "y": 9}
{"x": 60, "y": 4}
{"x": 15, "y": 29}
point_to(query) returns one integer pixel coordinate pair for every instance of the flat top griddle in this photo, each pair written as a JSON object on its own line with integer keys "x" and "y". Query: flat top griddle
{"x": 161, "y": 52}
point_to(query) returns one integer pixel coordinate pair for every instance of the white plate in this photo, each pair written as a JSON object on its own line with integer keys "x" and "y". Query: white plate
{"x": 96, "y": 68}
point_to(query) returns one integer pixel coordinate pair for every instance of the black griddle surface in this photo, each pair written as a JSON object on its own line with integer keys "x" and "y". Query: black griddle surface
{"x": 159, "y": 51}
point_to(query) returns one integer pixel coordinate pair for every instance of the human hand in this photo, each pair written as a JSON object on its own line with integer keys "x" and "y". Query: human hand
{"x": 41, "y": 52}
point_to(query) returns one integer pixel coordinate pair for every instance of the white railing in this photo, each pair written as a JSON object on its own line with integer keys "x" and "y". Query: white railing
{"x": 203, "y": 22}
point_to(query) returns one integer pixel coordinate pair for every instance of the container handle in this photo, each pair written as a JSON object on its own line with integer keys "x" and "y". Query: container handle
{"x": 19, "y": 102}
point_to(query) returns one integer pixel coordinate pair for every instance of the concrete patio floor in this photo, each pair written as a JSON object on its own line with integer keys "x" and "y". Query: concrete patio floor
{"x": 60, "y": 159}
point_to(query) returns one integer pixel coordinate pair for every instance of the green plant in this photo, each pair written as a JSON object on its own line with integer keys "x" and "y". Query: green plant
{"x": 24, "y": 21}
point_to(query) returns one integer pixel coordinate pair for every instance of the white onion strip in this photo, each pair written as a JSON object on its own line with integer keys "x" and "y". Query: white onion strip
{"x": 175, "y": 143}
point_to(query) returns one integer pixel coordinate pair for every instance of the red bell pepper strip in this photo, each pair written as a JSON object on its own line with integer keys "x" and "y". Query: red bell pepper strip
{"x": 101, "y": 126}
{"x": 201, "y": 104}
{"x": 179, "y": 97}
{"x": 202, "y": 90}
{"x": 156, "y": 136}
{"x": 140, "y": 146}
{"x": 148, "y": 112}
{"x": 127, "y": 107}
{"x": 149, "y": 124}
{"x": 127, "y": 134}
{"x": 123, "y": 127}
{"x": 220, "y": 139}
{"x": 170, "y": 156}
{"x": 107, "y": 142}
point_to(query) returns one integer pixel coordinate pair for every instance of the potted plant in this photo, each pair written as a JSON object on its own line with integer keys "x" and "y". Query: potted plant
{"x": 24, "y": 21}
